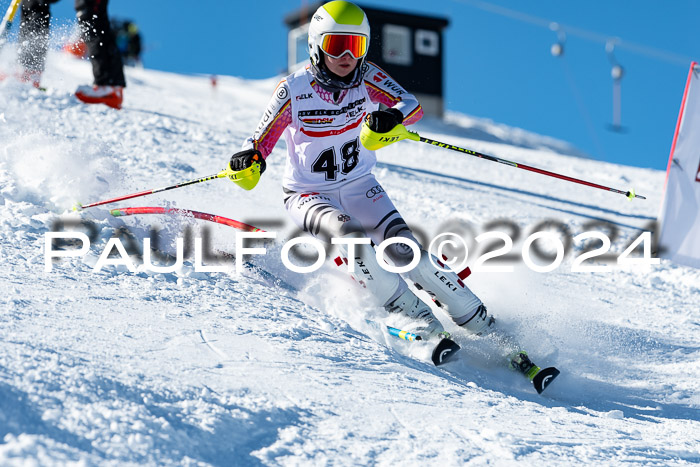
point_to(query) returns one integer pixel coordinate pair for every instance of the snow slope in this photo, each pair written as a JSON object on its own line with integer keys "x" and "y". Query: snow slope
{"x": 278, "y": 368}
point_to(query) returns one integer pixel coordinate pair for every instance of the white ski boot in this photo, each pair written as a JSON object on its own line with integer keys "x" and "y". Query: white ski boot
{"x": 425, "y": 324}
{"x": 450, "y": 293}
{"x": 391, "y": 291}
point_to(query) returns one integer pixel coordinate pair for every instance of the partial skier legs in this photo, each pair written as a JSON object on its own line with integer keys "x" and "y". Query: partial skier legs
{"x": 326, "y": 216}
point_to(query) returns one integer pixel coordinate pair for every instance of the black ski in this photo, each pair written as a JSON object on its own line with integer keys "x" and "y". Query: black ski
{"x": 444, "y": 351}
{"x": 543, "y": 378}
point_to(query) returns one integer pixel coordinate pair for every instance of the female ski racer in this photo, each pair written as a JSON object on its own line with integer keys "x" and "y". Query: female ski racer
{"x": 329, "y": 188}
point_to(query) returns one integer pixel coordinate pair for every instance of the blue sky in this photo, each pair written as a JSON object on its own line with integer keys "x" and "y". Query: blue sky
{"x": 498, "y": 62}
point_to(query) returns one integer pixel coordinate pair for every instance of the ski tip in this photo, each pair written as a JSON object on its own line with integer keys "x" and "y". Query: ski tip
{"x": 78, "y": 207}
{"x": 544, "y": 378}
{"x": 444, "y": 351}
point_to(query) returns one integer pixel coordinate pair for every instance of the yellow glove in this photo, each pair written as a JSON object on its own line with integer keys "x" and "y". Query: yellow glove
{"x": 245, "y": 168}
{"x": 374, "y": 140}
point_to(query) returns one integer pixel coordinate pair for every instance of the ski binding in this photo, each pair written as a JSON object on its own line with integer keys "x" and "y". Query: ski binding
{"x": 541, "y": 378}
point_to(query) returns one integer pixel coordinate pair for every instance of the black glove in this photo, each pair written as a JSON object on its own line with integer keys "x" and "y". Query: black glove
{"x": 244, "y": 159}
{"x": 381, "y": 121}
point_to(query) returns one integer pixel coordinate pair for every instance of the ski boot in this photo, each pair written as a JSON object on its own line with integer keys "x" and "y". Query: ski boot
{"x": 519, "y": 361}
{"x": 426, "y": 324}
{"x": 111, "y": 96}
{"x": 452, "y": 295}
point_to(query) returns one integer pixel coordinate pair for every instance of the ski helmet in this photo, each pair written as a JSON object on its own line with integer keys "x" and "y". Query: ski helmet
{"x": 336, "y": 28}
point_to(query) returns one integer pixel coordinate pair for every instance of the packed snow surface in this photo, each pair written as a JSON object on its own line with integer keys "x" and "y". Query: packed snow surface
{"x": 269, "y": 367}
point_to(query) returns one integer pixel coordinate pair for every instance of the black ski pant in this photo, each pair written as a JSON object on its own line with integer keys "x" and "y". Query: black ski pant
{"x": 107, "y": 67}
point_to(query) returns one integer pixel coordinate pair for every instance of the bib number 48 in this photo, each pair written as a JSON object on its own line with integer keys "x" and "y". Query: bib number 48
{"x": 326, "y": 161}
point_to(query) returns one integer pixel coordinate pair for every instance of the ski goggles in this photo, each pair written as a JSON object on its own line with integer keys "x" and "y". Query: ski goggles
{"x": 336, "y": 45}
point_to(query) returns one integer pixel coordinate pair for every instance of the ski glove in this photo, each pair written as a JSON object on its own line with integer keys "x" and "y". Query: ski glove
{"x": 244, "y": 159}
{"x": 381, "y": 121}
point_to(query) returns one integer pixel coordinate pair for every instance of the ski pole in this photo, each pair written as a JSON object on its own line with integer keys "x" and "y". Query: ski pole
{"x": 405, "y": 335}
{"x": 185, "y": 212}
{"x": 373, "y": 141}
{"x": 222, "y": 174}
{"x": 6, "y": 23}
{"x": 396, "y": 332}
